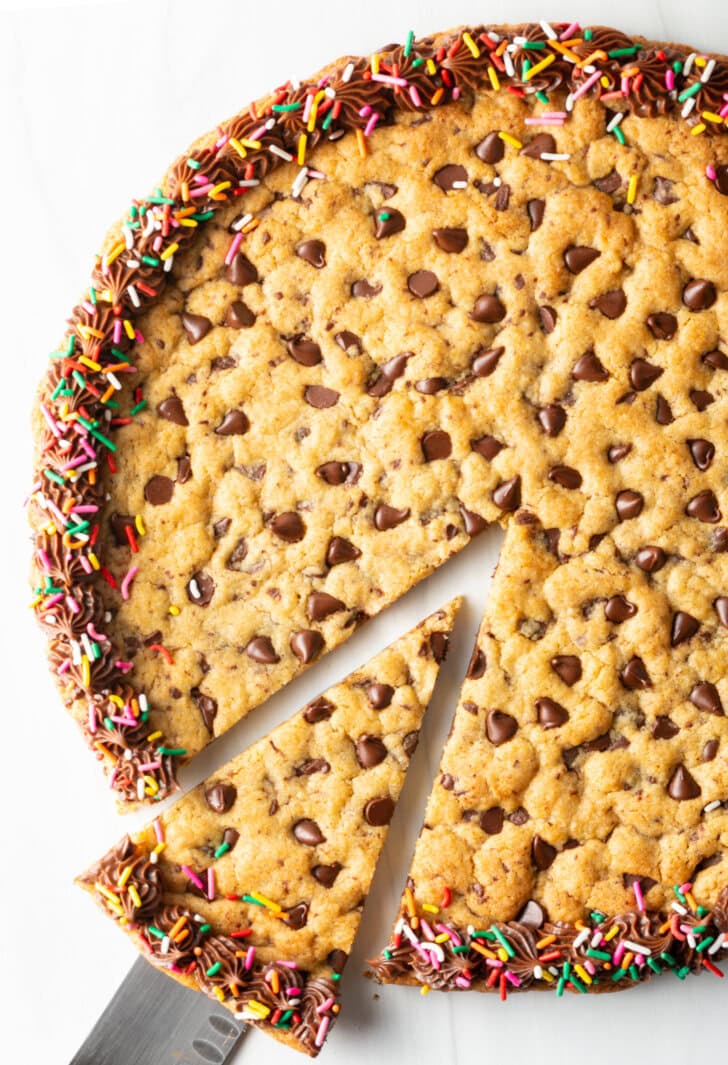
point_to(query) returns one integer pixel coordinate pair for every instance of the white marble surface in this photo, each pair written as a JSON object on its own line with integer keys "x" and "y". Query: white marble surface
{"x": 95, "y": 100}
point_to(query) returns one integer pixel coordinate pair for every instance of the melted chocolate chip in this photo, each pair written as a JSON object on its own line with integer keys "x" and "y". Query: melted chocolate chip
{"x": 303, "y": 350}
{"x": 500, "y": 727}
{"x": 628, "y": 504}
{"x": 297, "y": 916}
{"x": 491, "y": 821}
{"x": 364, "y": 290}
{"x": 491, "y": 149}
{"x": 308, "y": 832}
{"x": 550, "y": 713}
{"x": 326, "y": 874}
{"x": 682, "y": 785}
{"x": 235, "y": 423}
{"x": 388, "y": 221}
{"x": 336, "y": 473}
{"x": 239, "y": 316}
{"x": 568, "y": 668}
{"x": 617, "y": 452}
{"x": 577, "y": 257}
{"x": 589, "y": 368}
{"x": 542, "y": 144}
{"x": 634, "y": 676}
{"x": 662, "y": 325}
{"x": 320, "y": 397}
{"x": 261, "y": 649}
{"x": 346, "y": 340}
{"x": 288, "y": 526}
{"x": 699, "y": 295}
{"x": 650, "y": 558}
{"x": 618, "y": 609}
{"x": 552, "y": 418}
{"x": 386, "y": 517}
{"x": 409, "y": 743}
{"x": 611, "y": 304}
{"x": 702, "y": 452}
{"x": 196, "y": 326}
{"x": 318, "y": 710}
{"x": 311, "y": 766}
{"x": 643, "y": 373}
{"x": 388, "y": 374}
{"x": 306, "y": 644}
{"x": 200, "y": 588}
{"x": 663, "y": 411}
{"x": 158, "y": 490}
{"x": 184, "y": 469}
{"x": 171, "y": 410}
{"x": 705, "y": 697}
{"x": 436, "y": 444}
{"x": 207, "y": 707}
{"x": 380, "y": 695}
{"x": 704, "y": 507}
{"x": 452, "y": 176}
{"x": 664, "y": 728}
{"x": 536, "y": 210}
{"x": 488, "y": 309}
{"x": 321, "y": 605}
{"x": 451, "y": 240}
{"x": 230, "y": 836}
{"x": 220, "y": 797}
{"x": 474, "y": 523}
{"x": 439, "y": 644}
{"x": 429, "y": 386}
{"x": 241, "y": 271}
{"x": 507, "y": 495}
{"x": 487, "y": 446}
{"x": 341, "y": 550}
{"x": 662, "y": 191}
{"x": 312, "y": 252}
{"x": 477, "y": 664}
{"x": 370, "y": 751}
{"x": 565, "y": 476}
{"x": 378, "y": 812}
{"x": 542, "y": 853}
{"x": 423, "y": 283}
{"x": 684, "y": 627}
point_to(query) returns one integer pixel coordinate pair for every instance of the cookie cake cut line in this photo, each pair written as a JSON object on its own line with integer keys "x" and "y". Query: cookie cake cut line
{"x": 80, "y": 420}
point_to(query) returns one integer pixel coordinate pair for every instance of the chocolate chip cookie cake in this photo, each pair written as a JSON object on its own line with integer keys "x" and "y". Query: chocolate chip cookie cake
{"x": 251, "y": 887}
{"x": 474, "y": 278}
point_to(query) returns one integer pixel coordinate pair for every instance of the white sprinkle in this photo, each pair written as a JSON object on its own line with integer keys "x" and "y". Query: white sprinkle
{"x": 149, "y": 228}
{"x": 330, "y": 91}
{"x": 409, "y": 934}
{"x": 518, "y": 41}
{"x": 249, "y": 183}
{"x": 336, "y": 135}
{"x": 128, "y": 754}
{"x": 554, "y": 157}
{"x": 688, "y": 107}
{"x": 688, "y": 66}
{"x": 637, "y": 948}
{"x": 198, "y": 917}
{"x": 133, "y": 263}
{"x": 168, "y": 264}
{"x": 194, "y": 589}
{"x": 275, "y": 150}
{"x": 493, "y": 36}
{"x": 508, "y": 64}
{"x": 709, "y": 68}
{"x": 164, "y": 949}
{"x": 87, "y": 645}
{"x": 692, "y": 941}
{"x": 270, "y": 123}
{"x": 497, "y": 182}
{"x": 128, "y": 237}
{"x": 107, "y": 615}
{"x": 614, "y": 122}
{"x": 554, "y": 971}
{"x": 133, "y": 296}
{"x": 548, "y": 30}
{"x": 143, "y": 703}
{"x": 589, "y": 68}
{"x": 712, "y": 806}
{"x": 433, "y": 948}
{"x": 538, "y": 972}
{"x": 242, "y": 222}
{"x": 581, "y": 938}
{"x": 75, "y": 653}
{"x": 716, "y": 945}
{"x": 596, "y": 938}
{"x": 300, "y": 183}
{"x": 459, "y": 185}
{"x": 154, "y": 857}
{"x": 679, "y": 909}
{"x": 348, "y": 71}
{"x": 140, "y": 789}
{"x": 569, "y": 104}
{"x": 113, "y": 381}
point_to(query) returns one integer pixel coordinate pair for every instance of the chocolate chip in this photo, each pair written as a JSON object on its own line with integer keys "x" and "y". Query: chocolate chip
{"x": 158, "y": 490}
{"x": 565, "y": 476}
{"x": 326, "y": 874}
{"x": 710, "y": 749}
{"x": 341, "y": 550}
{"x": 318, "y": 710}
{"x": 662, "y": 191}
{"x": 207, "y": 707}
{"x": 320, "y": 397}
{"x": 664, "y": 728}
{"x": 486, "y": 361}
{"x": 362, "y": 289}
{"x": 684, "y": 627}
{"x": 552, "y": 418}
{"x": 320, "y": 605}
{"x": 705, "y": 697}
{"x": 650, "y": 558}
{"x": 423, "y": 283}
{"x": 388, "y": 374}
{"x": 507, "y": 495}
{"x": 618, "y": 609}
{"x": 370, "y": 751}
{"x": 719, "y": 540}
{"x": 451, "y": 240}
{"x": 617, "y": 452}
{"x": 702, "y": 452}
{"x": 578, "y": 256}
{"x": 532, "y": 915}
{"x": 487, "y": 309}
{"x": 699, "y": 295}
{"x": 261, "y": 649}
{"x": 452, "y": 176}
{"x": 550, "y": 713}
{"x": 237, "y": 555}
{"x": 386, "y": 517}
{"x": 378, "y": 812}
{"x": 542, "y": 853}
{"x": 701, "y": 399}
{"x": 196, "y": 326}
{"x": 487, "y": 446}
{"x": 311, "y": 766}
{"x": 662, "y": 325}
{"x": 491, "y": 821}
{"x": 536, "y": 209}
{"x": 436, "y": 444}
{"x": 430, "y": 386}
{"x": 643, "y": 373}
{"x": 476, "y": 666}
{"x": 230, "y": 836}
{"x": 346, "y": 339}
{"x": 720, "y": 605}
{"x": 704, "y": 507}
{"x": 308, "y": 832}
{"x": 380, "y": 695}
{"x": 721, "y": 179}
{"x": 568, "y": 668}
{"x": 628, "y": 504}
{"x": 297, "y": 916}
{"x": 500, "y": 727}
{"x": 337, "y": 960}
{"x": 306, "y": 644}
{"x": 611, "y": 304}
{"x": 336, "y": 473}
{"x": 542, "y": 144}
{"x": 634, "y": 676}
{"x": 303, "y": 350}
{"x": 220, "y": 797}
{"x": 288, "y": 527}
{"x": 491, "y": 149}
{"x": 663, "y": 411}
{"x": 171, "y": 410}
{"x": 548, "y": 318}
{"x": 716, "y": 360}
{"x": 184, "y": 469}
{"x": 241, "y": 271}
{"x": 589, "y": 368}
{"x": 313, "y": 252}
{"x": 235, "y": 423}
{"x": 388, "y": 222}
{"x": 409, "y": 743}
{"x": 239, "y": 316}
{"x": 439, "y": 644}
{"x": 200, "y": 588}
{"x": 682, "y": 785}
{"x": 474, "y": 523}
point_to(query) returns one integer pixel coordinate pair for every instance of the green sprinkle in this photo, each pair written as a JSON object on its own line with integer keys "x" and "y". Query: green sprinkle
{"x": 687, "y": 93}
{"x": 597, "y": 917}
{"x": 654, "y": 965}
{"x": 560, "y": 986}
{"x": 667, "y": 957}
{"x": 214, "y": 969}
{"x": 118, "y": 354}
{"x": 204, "y": 928}
{"x": 171, "y": 750}
{"x": 328, "y": 119}
{"x": 56, "y": 477}
{"x": 587, "y": 35}
{"x": 157, "y": 932}
{"x": 103, "y": 439}
{"x": 677, "y": 66}
{"x": 96, "y": 651}
{"x": 92, "y": 294}
{"x": 222, "y": 849}
{"x": 79, "y": 378}
{"x": 567, "y": 970}
{"x": 150, "y": 260}
{"x": 203, "y": 216}
{"x": 59, "y": 388}
{"x": 526, "y": 68}
{"x": 109, "y": 724}
{"x": 387, "y": 954}
{"x": 542, "y": 97}
{"x": 534, "y": 46}
{"x": 504, "y": 943}
{"x": 252, "y": 901}
{"x": 704, "y": 943}
{"x": 679, "y": 894}
{"x": 417, "y": 62}
{"x": 73, "y": 529}
{"x": 702, "y": 910}
{"x": 336, "y": 976}
{"x": 138, "y": 407}
{"x": 410, "y": 42}
{"x": 133, "y": 211}
{"x": 483, "y": 935}
{"x": 286, "y": 1017}
{"x": 287, "y": 107}
{"x": 193, "y": 164}
{"x": 682, "y": 973}
{"x": 616, "y": 52}
{"x": 462, "y": 949}
{"x": 617, "y": 131}
{"x": 617, "y": 975}
{"x": 634, "y": 972}
{"x": 581, "y": 988}
{"x": 699, "y": 928}
{"x": 602, "y": 955}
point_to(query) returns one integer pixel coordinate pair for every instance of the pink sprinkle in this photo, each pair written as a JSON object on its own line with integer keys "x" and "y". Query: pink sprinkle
{"x": 369, "y": 128}
{"x": 457, "y": 941}
{"x": 92, "y": 723}
{"x": 293, "y": 991}
{"x": 415, "y": 96}
{"x": 119, "y": 720}
{"x": 200, "y": 179}
{"x": 723, "y": 111}
{"x": 211, "y": 884}
{"x": 72, "y": 605}
{"x": 625, "y": 86}
{"x": 139, "y": 339}
{"x": 542, "y": 120}
{"x": 494, "y": 963}
{"x": 112, "y": 778}
{"x": 85, "y": 564}
{"x": 307, "y": 108}
{"x": 90, "y": 629}
{"x": 236, "y": 242}
{"x": 123, "y": 666}
{"x": 388, "y": 79}
{"x": 569, "y": 31}
{"x": 512, "y": 978}
{"x": 117, "y": 330}
{"x": 456, "y": 93}
{"x": 586, "y": 85}
{"x": 88, "y": 306}
{"x": 158, "y": 830}
{"x": 193, "y": 877}
{"x": 90, "y": 451}
{"x": 258, "y": 133}
{"x": 44, "y": 560}
{"x": 323, "y": 1029}
{"x": 589, "y": 966}
{"x": 424, "y": 925}
{"x": 639, "y": 961}
{"x": 202, "y": 191}
{"x": 639, "y": 897}
{"x": 125, "y": 584}
{"x": 64, "y": 668}
{"x": 669, "y": 79}
{"x": 249, "y": 957}
{"x": 687, "y": 886}
{"x": 326, "y": 1005}
{"x": 149, "y": 766}
{"x": 618, "y": 954}
{"x": 288, "y": 964}
{"x": 461, "y": 981}
{"x": 174, "y": 968}
{"x": 50, "y": 419}
{"x": 87, "y": 508}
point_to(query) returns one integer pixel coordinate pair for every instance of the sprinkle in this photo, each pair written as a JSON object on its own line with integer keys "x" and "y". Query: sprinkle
{"x": 632, "y": 189}
{"x": 639, "y": 898}
{"x": 126, "y": 583}
{"x": 193, "y": 877}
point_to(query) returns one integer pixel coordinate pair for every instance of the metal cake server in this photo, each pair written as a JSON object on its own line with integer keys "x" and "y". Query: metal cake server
{"x": 152, "y": 1020}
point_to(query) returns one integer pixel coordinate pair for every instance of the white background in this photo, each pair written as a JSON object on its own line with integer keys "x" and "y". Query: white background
{"x": 95, "y": 101}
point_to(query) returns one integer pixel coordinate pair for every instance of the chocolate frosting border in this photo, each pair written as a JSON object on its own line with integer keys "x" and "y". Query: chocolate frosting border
{"x": 76, "y": 428}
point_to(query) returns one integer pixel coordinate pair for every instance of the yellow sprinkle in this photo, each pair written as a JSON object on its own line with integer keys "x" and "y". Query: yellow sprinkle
{"x": 139, "y": 523}
{"x": 87, "y": 331}
{"x": 247, "y": 143}
{"x": 471, "y": 45}
{"x": 546, "y": 975}
{"x": 409, "y": 901}
{"x": 700, "y": 61}
{"x": 126, "y": 873}
{"x": 697, "y": 130}
{"x": 430, "y": 908}
{"x": 154, "y": 736}
{"x": 431, "y": 68}
{"x": 159, "y": 848}
{"x": 128, "y": 329}
{"x": 95, "y": 564}
{"x": 710, "y": 116}
{"x": 604, "y": 82}
{"x": 538, "y": 67}
{"x": 89, "y": 362}
{"x": 361, "y": 142}
{"x": 219, "y": 994}
{"x": 85, "y": 671}
{"x": 424, "y": 990}
{"x": 265, "y": 901}
{"x": 258, "y": 1008}
{"x": 301, "y": 149}
{"x": 437, "y": 96}
{"x": 189, "y": 222}
{"x": 134, "y": 896}
{"x": 375, "y": 63}
{"x": 116, "y": 700}
{"x": 151, "y": 785}
{"x": 611, "y": 934}
{"x": 185, "y": 190}
{"x": 502, "y": 953}
{"x": 442, "y": 938}
{"x": 114, "y": 253}
{"x": 493, "y": 78}
{"x": 508, "y": 138}
{"x": 174, "y": 611}
{"x": 216, "y": 192}
{"x": 109, "y": 895}
{"x": 583, "y": 974}
{"x": 35, "y": 602}
{"x": 235, "y": 143}
{"x": 169, "y": 252}
{"x": 632, "y": 189}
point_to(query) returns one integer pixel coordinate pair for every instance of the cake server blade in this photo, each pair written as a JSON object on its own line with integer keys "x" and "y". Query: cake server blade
{"x": 152, "y": 1020}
